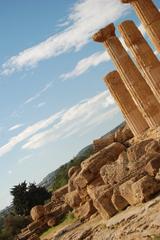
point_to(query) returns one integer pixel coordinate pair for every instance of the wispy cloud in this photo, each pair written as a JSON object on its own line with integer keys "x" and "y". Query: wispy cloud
{"x": 37, "y": 95}
{"x": 81, "y": 117}
{"x": 94, "y": 60}
{"x": 86, "y": 63}
{"x": 9, "y": 172}
{"x": 25, "y": 158}
{"x": 15, "y": 127}
{"x": 28, "y": 132}
{"x": 41, "y": 104}
{"x": 85, "y": 18}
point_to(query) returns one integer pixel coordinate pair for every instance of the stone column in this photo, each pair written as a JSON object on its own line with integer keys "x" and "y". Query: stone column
{"x": 143, "y": 54}
{"x": 133, "y": 116}
{"x": 132, "y": 78}
{"x": 150, "y": 17}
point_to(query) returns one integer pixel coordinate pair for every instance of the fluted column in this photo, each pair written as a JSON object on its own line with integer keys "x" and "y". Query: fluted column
{"x": 132, "y": 78}
{"x": 149, "y": 15}
{"x": 143, "y": 55}
{"x": 131, "y": 113}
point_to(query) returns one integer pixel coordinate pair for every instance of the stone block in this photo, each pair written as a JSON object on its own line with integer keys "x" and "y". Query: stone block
{"x": 118, "y": 201}
{"x": 85, "y": 211}
{"x": 99, "y": 144}
{"x": 123, "y": 134}
{"x": 113, "y": 173}
{"x": 145, "y": 188}
{"x": 126, "y": 192}
{"x": 60, "y": 193}
{"x": 91, "y": 166}
{"x": 37, "y": 212}
{"x": 137, "y": 150}
{"x": 153, "y": 146}
{"x": 73, "y": 170}
{"x": 101, "y": 197}
{"x": 73, "y": 199}
{"x": 51, "y": 222}
{"x": 153, "y": 166}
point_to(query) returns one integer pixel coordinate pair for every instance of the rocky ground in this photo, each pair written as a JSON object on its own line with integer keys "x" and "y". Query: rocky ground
{"x": 135, "y": 223}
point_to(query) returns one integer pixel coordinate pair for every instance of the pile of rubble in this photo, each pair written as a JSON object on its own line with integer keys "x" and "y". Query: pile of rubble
{"x": 46, "y": 216}
{"x": 122, "y": 173}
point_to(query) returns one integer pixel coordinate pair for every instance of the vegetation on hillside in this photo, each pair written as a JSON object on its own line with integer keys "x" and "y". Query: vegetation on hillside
{"x": 11, "y": 225}
{"x": 26, "y": 196}
{"x": 60, "y": 176}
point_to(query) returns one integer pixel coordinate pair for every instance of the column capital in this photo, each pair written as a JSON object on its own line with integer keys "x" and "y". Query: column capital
{"x": 112, "y": 77}
{"x": 103, "y": 34}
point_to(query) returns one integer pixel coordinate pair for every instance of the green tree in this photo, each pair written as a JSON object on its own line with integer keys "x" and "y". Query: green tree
{"x": 27, "y": 196}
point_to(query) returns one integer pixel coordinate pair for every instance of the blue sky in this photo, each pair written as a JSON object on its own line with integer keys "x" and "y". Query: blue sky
{"x": 52, "y": 98}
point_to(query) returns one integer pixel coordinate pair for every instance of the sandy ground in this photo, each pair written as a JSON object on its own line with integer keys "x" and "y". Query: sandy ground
{"x": 140, "y": 222}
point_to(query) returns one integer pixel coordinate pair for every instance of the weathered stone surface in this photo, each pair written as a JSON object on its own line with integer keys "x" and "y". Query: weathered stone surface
{"x": 124, "y": 134}
{"x": 85, "y": 211}
{"x": 37, "y": 212}
{"x": 34, "y": 225}
{"x": 101, "y": 197}
{"x": 141, "y": 93}
{"x": 108, "y": 173}
{"x": 137, "y": 150}
{"x": 128, "y": 108}
{"x": 72, "y": 171}
{"x": 153, "y": 146}
{"x": 118, "y": 201}
{"x": 143, "y": 54}
{"x": 150, "y": 17}
{"x": 71, "y": 181}
{"x": 100, "y": 143}
{"x": 91, "y": 166}
{"x": 126, "y": 191}
{"x": 34, "y": 237}
{"x": 60, "y": 193}
{"x": 80, "y": 181}
{"x": 51, "y": 222}
{"x": 153, "y": 165}
{"x": 144, "y": 188}
{"x": 113, "y": 173}
{"x": 60, "y": 211}
{"x": 139, "y": 189}
{"x": 73, "y": 199}
{"x": 48, "y": 207}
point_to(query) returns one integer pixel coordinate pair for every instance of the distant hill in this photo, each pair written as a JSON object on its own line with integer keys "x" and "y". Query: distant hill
{"x": 59, "y": 177}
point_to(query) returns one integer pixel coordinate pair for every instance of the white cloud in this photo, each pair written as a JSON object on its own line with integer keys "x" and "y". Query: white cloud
{"x": 9, "y": 172}
{"x": 84, "y": 115}
{"x": 15, "y": 127}
{"x": 81, "y": 117}
{"x": 37, "y": 95}
{"x": 28, "y": 132}
{"x": 85, "y": 18}
{"x": 84, "y": 64}
{"x": 93, "y": 60}
{"x": 41, "y": 104}
{"x": 25, "y": 158}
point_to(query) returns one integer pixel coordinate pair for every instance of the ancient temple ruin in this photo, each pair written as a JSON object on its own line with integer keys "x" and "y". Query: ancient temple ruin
{"x": 136, "y": 84}
{"x": 125, "y": 167}
{"x": 126, "y": 103}
{"x": 150, "y": 18}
